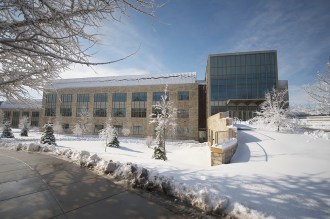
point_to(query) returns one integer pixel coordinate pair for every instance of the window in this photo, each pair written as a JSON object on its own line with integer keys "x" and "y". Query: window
{"x": 183, "y": 95}
{"x": 182, "y": 131}
{"x": 139, "y": 105}
{"x": 66, "y": 105}
{"x": 138, "y": 130}
{"x": 65, "y": 127}
{"x": 119, "y": 129}
{"x": 26, "y": 114}
{"x": 50, "y": 106}
{"x": 139, "y": 96}
{"x": 183, "y": 113}
{"x": 100, "y": 105}
{"x": 7, "y": 115}
{"x": 119, "y": 104}
{"x": 82, "y": 105}
{"x": 15, "y": 119}
{"x": 35, "y": 119}
{"x": 156, "y": 96}
{"x": 98, "y": 128}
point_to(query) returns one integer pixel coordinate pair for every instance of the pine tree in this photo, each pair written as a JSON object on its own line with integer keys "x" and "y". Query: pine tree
{"x": 7, "y": 132}
{"x": 48, "y": 135}
{"x": 110, "y": 135}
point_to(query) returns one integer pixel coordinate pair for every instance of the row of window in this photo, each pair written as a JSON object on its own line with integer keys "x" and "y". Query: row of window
{"x": 244, "y": 59}
{"x": 116, "y": 97}
{"x": 116, "y": 112}
{"x": 100, "y": 101}
{"x": 14, "y": 120}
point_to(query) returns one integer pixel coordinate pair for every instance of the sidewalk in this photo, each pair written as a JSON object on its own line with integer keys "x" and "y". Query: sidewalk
{"x": 39, "y": 186}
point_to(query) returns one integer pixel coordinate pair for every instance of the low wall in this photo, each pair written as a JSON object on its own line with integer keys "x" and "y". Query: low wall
{"x": 222, "y": 153}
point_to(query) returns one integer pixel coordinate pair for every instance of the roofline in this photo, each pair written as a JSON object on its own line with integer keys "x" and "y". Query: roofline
{"x": 121, "y": 77}
{"x": 242, "y": 53}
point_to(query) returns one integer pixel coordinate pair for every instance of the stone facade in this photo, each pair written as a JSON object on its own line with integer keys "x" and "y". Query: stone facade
{"x": 220, "y": 133}
{"x": 189, "y": 124}
{"x": 14, "y": 111}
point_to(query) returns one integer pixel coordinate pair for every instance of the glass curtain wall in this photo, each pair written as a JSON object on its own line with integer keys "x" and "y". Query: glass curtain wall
{"x": 240, "y": 77}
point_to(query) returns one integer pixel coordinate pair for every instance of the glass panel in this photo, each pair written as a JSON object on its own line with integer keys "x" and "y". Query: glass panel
{"x": 183, "y": 95}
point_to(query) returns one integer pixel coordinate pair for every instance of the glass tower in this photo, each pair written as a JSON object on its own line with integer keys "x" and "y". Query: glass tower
{"x": 237, "y": 82}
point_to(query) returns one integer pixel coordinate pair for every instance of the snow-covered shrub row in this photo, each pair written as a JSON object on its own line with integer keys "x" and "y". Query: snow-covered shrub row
{"x": 318, "y": 134}
{"x": 138, "y": 177}
{"x": 198, "y": 196}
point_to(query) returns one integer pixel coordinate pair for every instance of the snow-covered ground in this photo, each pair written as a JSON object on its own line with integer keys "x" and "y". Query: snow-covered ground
{"x": 271, "y": 175}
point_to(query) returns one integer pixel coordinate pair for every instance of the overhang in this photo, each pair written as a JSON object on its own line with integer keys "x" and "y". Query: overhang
{"x": 245, "y": 101}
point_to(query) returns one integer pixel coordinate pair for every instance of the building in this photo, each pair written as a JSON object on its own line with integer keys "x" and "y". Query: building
{"x": 14, "y": 111}
{"x": 237, "y": 82}
{"x": 127, "y": 99}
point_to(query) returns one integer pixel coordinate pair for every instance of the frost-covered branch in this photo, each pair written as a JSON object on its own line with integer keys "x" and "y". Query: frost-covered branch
{"x": 40, "y": 39}
{"x": 164, "y": 117}
{"x": 320, "y": 91}
{"x": 273, "y": 111}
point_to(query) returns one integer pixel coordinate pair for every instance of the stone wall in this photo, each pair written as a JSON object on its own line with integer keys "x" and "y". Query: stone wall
{"x": 223, "y": 155}
{"x": 220, "y": 134}
{"x": 191, "y": 105}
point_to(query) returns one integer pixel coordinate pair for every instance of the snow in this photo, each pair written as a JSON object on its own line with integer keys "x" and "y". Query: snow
{"x": 226, "y": 144}
{"x": 272, "y": 174}
{"x": 32, "y": 104}
{"x": 132, "y": 80}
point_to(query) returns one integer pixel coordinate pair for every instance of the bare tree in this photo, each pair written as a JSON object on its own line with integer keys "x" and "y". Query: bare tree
{"x": 164, "y": 116}
{"x": 40, "y": 38}
{"x": 273, "y": 111}
{"x": 320, "y": 91}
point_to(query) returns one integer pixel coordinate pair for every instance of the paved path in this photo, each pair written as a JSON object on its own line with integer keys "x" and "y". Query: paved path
{"x": 39, "y": 186}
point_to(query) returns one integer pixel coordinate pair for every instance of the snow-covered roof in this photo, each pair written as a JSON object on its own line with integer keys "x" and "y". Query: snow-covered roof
{"x": 31, "y": 104}
{"x": 132, "y": 80}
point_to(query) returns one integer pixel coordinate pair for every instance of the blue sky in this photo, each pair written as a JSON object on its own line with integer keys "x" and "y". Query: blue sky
{"x": 185, "y": 32}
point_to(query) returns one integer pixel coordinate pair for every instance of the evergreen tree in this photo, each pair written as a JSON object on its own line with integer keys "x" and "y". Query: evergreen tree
{"x": 7, "y": 132}
{"x": 48, "y": 135}
{"x": 110, "y": 135}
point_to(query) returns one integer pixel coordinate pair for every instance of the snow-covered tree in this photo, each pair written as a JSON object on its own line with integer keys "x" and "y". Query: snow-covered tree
{"x": 273, "y": 111}
{"x": 149, "y": 140}
{"x": 48, "y": 135}
{"x": 2, "y": 118}
{"x": 24, "y": 125}
{"x": 320, "y": 91}
{"x": 7, "y": 132}
{"x": 58, "y": 129}
{"x": 77, "y": 130}
{"x": 109, "y": 134}
{"x": 164, "y": 117}
{"x": 126, "y": 132}
{"x": 85, "y": 121}
{"x": 41, "y": 38}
